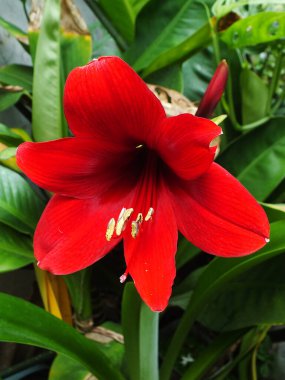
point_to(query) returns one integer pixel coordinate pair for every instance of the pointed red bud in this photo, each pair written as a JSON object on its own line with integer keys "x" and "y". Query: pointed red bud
{"x": 214, "y": 91}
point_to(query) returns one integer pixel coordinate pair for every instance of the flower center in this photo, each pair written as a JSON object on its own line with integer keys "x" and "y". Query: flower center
{"x": 120, "y": 225}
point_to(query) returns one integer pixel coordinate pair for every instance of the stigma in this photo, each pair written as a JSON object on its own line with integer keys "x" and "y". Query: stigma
{"x": 119, "y": 226}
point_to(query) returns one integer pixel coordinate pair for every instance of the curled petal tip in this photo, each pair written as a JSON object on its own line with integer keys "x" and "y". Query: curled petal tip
{"x": 214, "y": 91}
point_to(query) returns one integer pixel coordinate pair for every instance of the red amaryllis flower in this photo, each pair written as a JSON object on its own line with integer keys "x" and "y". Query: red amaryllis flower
{"x": 131, "y": 173}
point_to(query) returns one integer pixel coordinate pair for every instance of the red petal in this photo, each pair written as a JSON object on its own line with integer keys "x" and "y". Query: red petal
{"x": 150, "y": 257}
{"x": 107, "y": 98}
{"x": 76, "y": 166}
{"x": 214, "y": 91}
{"x": 71, "y": 233}
{"x": 217, "y": 214}
{"x": 184, "y": 144}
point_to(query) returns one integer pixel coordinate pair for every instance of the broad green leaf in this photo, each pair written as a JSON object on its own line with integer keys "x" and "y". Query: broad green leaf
{"x": 32, "y": 325}
{"x": 254, "y": 95}
{"x": 20, "y": 207}
{"x": 64, "y": 367}
{"x": 9, "y": 98}
{"x": 7, "y": 153}
{"x": 260, "y": 28}
{"x": 274, "y": 212}
{"x": 131, "y": 306}
{"x": 197, "y": 73}
{"x": 47, "y": 121}
{"x": 222, "y": 7}
{"x": 217, "y": 275}
{"x": 16, "y": 249}
{"x": 17, "y": 75}
{"x": 185, "y": 252}
{"x": 76, "y": 50}
{"x": 19, "y": 34}
{"x": 103, "y": 43}
{"x": 211, "y": 354}
{"x": 255, "y": 297}
{"x": 8, "y": 136}
{"x": 122, "y": 14}
{"x": 169, "y": 77}
{"x": 260, "y": 167}
{"x": 187, "y": 32}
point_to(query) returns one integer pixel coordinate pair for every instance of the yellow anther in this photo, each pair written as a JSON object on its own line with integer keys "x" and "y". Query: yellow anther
{"x": 135, "y": 229}
{"x": 139, "y": 218}
{"x": 149, "y": 214}
{"x": 110, "y": 229}
{"x": 121, "y": 223}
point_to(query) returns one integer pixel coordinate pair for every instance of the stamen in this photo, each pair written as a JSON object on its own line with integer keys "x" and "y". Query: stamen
{"x": 135, "y": 229}
{"x": 149, "y": 214}
{"x": 121, "y": 223}
{"x": 122, "y": 213}
{"x": 123, "y": 278}
{"x": 139, "y": 219}
{"x": 110, "y": 229}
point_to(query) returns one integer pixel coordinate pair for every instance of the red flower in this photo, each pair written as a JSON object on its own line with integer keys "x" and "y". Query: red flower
{"x": 130, "y": 172}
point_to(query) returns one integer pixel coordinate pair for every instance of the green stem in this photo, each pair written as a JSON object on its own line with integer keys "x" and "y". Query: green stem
{"x": 107, "y": 24}
{"x": 274, "y": 82}
{"x": 149, "y": 330}
{"x": 178, "y": 339}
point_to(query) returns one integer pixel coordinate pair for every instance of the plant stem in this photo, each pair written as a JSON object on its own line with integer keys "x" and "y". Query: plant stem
{"x": 274, "y": 82}
{"x": 178, "y": 339}
{"x": 107, "y": 24}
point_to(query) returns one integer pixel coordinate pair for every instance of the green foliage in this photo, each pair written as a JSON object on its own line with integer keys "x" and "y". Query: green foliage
{"x": 37, "y": 327}
{"x": 255, "y": 29}
{"x": 20, "y": 207}
{"x": 262, "y": 152}
{"x": 16, "y": 249}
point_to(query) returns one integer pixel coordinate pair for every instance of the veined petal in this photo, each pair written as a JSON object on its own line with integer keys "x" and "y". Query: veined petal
{"x": 107, "y": 98}
{"x": 184, "y": 144}
{"x": 77, "y": 167}
{"x": 217, "y": 214}
{"x": 150, "y": 257}
{"x": 71, "y": 233}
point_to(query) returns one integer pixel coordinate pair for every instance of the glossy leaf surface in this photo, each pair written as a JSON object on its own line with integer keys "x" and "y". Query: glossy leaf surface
{"x": 32, "y": 325}
{"x": 260, "y": 167}
{"x": 16, "y": 249}
{"x": 256, "y": 29}
{"x": 20, "y": 207}
{"x": 17, "y": 75}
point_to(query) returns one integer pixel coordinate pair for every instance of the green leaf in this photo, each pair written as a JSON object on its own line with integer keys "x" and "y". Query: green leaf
{"x": 79, "y": 286}
{"x": 32, "y": 325}
{"x": 47, "y": 122}
{"x": 17, "y": 75}
{"x": 263, "y": 151}
{"x": 123, "y": 15}
{"x": 256, "y": 29}
{"x": 211, "y": 354}
{"x": 20, "y": 207}
{"x": 187, "y": 32}
{"x": 274, "y": 212}
{"x": 9, "y": 98}
{"x": 256, "y": 297}
{"x": 7, "y": 153}
{"x": 218, "y": 275}
{"x": 222, "y": 7}
{"x": 16, "y": 250}
{"x": 254, "y": 94}
{"x": 19, "y": 34}
{"x": 65, "y": 368}
{"x": 76, "y": 50}
{"x": 8, "y": 137}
